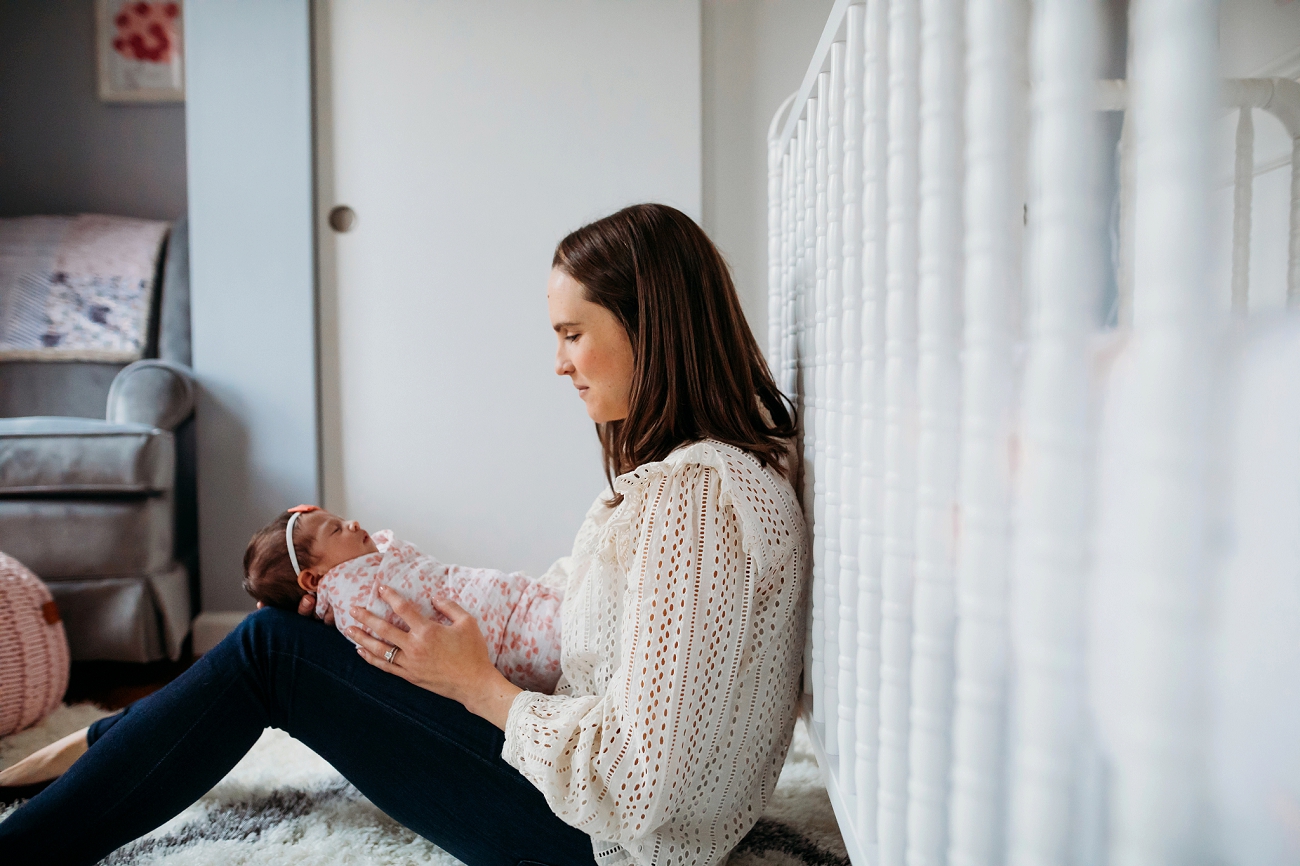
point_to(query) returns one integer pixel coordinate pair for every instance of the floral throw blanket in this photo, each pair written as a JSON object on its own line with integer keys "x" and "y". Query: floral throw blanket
{"x": 77, "y": 288}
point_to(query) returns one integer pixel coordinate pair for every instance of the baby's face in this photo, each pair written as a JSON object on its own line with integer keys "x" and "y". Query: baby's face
{"x": 332, "y": 539}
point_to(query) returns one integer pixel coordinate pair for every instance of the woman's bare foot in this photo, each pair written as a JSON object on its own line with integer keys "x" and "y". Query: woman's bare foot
{"x": 47, "y": 763}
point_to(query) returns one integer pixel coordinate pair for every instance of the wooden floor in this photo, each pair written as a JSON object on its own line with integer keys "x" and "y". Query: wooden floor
{"x": 113, "y": 685}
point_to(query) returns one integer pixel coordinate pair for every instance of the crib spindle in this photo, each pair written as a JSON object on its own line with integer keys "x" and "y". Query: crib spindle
{"x": 776, "y": 308}
{"x": 793, "y": 241}
{"x": 898, "y": 548}
{"x": 798, "y": 323}
{"x": 831, "y": 402}
{"x": 807, "y": 315}
{"x": 850, "y": 410}
{"x": 799, "y": 318}
{"x": 995, "y": 112}
{"x": 775, "y": 254}
{"x": 1054, "y": 515}
{"x": 875, "y": 162}
{"x": 1242, "y": 195}
{"x": 1124, "y": 277}
{"x": 938, "y": 398}
{"x": 786, "y": 362}
{"x": 1160, "y": 773}
{"x": 791, "y": 312}
{"x": 806, "y": 380}
{"x": 818, "y": 412}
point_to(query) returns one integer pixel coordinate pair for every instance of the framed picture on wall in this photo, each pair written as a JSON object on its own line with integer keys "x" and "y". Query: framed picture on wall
{"x": 140, "y": 46}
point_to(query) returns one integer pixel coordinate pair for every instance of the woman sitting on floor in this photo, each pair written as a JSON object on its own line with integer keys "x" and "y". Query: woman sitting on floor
{"x": 681, "y": 640}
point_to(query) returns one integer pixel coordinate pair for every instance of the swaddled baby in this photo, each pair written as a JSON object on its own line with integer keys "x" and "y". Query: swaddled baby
{"x": 309, "y": 550}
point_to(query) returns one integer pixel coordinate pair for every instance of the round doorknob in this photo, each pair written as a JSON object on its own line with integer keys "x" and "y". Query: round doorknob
{"x": 342, "y": 218}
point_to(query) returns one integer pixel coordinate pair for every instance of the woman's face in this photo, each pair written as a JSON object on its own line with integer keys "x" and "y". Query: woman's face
{"x": 594, "y": 350}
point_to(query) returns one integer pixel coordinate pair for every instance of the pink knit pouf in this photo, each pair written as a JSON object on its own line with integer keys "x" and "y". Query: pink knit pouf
{"x": 33, "y": 649}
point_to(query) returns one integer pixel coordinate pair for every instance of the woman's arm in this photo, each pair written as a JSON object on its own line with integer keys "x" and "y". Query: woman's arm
{"x": 617, "y": 765}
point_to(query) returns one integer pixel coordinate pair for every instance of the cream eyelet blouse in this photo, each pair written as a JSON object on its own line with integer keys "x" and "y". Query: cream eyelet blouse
{"x": 682, "y": 641}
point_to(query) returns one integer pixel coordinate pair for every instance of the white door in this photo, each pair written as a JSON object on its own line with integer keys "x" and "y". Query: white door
{"x": 468, "y": 137}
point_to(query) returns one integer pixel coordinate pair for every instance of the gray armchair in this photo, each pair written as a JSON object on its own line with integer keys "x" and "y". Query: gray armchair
{"x": 97, "y": 491}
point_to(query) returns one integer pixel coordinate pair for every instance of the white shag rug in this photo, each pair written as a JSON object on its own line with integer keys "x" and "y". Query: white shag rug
{"x": 283, "y": 804}
{"x": 57, "y": 725}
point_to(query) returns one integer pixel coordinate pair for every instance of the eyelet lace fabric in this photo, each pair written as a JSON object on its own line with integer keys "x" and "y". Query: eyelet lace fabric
{"x": 682, "y": 642}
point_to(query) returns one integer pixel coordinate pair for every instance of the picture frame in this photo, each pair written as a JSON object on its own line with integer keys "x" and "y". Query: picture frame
{"x": 140, "y": 50}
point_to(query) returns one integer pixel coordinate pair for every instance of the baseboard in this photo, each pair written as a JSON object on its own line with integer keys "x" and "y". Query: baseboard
{"x": 211, "y": 627}
{"x": 860, "y": 852}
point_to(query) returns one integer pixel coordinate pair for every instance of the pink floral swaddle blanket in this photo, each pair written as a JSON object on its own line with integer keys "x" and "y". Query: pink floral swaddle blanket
{"x": 519, "y": 617}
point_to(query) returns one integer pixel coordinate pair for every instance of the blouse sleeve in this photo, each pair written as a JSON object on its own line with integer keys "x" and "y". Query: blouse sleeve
{"x": 557, "y": 576}
{"x": 617, "y": 765}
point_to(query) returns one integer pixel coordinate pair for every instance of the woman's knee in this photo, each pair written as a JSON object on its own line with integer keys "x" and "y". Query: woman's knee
{"x": 270, "y": 631}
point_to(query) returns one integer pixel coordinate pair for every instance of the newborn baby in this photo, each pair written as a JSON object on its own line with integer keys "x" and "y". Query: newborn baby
{"x": 343, "y": 566}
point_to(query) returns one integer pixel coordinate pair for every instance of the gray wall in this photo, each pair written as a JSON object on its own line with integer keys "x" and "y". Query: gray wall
{"x": 61, "y": 149}
{"x": 252, "y": 274}
{"x": 755, "y": 55}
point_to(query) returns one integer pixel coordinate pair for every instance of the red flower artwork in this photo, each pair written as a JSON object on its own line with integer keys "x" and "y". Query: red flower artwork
{"x": 146, "y": 31}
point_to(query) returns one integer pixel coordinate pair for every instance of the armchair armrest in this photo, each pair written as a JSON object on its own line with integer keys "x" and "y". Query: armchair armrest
{"x": 157, "y": 393}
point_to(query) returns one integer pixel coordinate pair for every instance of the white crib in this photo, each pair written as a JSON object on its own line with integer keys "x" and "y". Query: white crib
{"x": 1056, "y": 575}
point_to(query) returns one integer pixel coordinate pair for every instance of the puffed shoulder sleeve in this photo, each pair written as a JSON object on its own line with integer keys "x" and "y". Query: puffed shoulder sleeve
{"x": 561, "y": 571}
{"x": 557, "y": 576}
{"x": 617, "y": 765}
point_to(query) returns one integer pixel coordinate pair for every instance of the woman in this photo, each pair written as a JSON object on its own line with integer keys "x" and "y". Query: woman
{"x": 682, "y": 624}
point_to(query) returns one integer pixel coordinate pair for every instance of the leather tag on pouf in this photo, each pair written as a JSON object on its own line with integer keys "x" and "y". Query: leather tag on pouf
{"x": 51, "y": 612}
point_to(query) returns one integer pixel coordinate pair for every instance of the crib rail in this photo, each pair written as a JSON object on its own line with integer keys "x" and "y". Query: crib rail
{"x": 936, "y": 260}
{"x": 1279, "y": 97}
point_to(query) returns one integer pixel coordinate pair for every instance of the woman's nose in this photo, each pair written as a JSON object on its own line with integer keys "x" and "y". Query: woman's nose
{"x": 562, "y": 365}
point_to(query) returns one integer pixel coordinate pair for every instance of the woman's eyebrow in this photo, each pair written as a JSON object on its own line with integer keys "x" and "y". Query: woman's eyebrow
{"x": 561, "y": 325}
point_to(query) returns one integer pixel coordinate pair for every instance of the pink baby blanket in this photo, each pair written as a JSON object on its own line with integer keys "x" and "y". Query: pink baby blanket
{"x": 519, "y": 617}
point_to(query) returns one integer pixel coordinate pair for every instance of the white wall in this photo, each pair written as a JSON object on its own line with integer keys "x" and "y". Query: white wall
{"x": 1259, "y": 37}
{"x": 535, "y": 104}
{"x": 470, "y": 138}
{"x": 755, "y": 55}
{"x": 248, "y": 125}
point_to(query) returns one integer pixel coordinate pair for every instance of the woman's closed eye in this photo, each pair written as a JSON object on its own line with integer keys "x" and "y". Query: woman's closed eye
{"x": 571, "y": 338}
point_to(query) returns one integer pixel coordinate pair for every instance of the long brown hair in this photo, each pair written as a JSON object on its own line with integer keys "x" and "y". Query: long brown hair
{"x": 697, "y": 369}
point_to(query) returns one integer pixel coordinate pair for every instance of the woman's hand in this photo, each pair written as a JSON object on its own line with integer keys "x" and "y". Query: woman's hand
{"x": 449, "y": 660}
{"x": 307, "y": 607}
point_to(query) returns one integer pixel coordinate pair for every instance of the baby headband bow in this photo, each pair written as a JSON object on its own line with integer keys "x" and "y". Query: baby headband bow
{"x": 294, "y": 514}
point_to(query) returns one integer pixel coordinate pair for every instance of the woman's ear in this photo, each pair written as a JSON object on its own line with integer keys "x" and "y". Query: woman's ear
{"x": 308, "y": 580}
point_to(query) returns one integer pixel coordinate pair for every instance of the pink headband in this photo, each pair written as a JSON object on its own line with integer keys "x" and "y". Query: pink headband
{"x": 294, "y": 513}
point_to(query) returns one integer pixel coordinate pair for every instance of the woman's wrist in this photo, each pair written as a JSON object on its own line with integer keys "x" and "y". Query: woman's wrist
{"x": 492, "y": 698}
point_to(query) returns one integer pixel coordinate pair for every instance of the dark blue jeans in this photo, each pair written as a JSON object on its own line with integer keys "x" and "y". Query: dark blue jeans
{"x": 423, "y": 759}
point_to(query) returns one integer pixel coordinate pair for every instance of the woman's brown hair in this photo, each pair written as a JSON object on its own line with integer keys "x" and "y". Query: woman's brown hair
{"x": 698, "y": 372}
